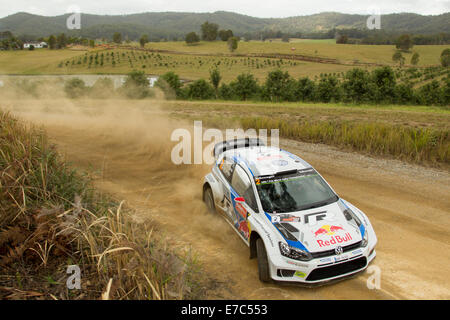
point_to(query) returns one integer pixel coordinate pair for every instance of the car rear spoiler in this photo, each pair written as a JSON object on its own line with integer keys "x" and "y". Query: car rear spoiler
{"x": 236, "y": 144}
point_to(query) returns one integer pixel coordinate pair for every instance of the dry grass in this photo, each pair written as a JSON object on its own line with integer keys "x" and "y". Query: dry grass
{"x": 51, "y": 217}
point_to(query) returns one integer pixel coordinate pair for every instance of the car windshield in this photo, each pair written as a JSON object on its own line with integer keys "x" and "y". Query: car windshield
{"x": 294, "y": 192}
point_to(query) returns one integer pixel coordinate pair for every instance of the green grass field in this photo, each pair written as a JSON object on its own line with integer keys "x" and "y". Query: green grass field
{"x": 190, "y": 63}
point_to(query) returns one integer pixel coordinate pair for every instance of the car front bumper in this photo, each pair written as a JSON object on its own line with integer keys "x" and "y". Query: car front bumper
{"x": 321, "y": 270}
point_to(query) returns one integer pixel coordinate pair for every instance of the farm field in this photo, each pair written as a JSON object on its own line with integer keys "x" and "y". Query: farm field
{"x": 194, "y": 62}
{"x": 346, "y": 53}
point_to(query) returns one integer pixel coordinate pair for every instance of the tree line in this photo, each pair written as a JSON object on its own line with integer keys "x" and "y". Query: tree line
{"x": 358, "y": 86}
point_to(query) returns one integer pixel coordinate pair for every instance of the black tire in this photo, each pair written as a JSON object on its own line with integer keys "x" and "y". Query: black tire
{"x": 209, "y": 200}
{"x": 263, "y": 263}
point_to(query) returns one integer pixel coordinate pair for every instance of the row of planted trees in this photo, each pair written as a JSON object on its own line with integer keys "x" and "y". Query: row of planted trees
{"x": 358, "y": 86}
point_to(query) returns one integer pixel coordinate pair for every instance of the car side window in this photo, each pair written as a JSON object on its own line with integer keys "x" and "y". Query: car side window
{"x": 227, "y": 167}
{"x": 242, "y": 184}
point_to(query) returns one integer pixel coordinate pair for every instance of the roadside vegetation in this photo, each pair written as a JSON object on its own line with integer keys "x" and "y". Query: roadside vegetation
{"x": 52, "y": 217}
{"x": 416, "y": 134}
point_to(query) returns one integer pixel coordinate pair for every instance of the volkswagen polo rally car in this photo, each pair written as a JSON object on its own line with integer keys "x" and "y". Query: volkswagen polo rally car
{"x": 294, "y": 223}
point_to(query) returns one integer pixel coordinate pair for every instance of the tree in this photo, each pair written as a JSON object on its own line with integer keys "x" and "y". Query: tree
{"x": 117, "y": 37}
{"x": 52, "y": 42}
{"x": 61, "y": 41}
{"x": 143, "y": 40}
{"x": 233, "y": 43}
{"x": 357, "y": 86}
{"x": 224, "y": 35}
{"x": 445, "y": 58}
{"x": 285, "y": 38}
{"x": 200, "y": 90}
{"x": 136, "y": 85}
{"x": 209, "y": 31}
{"x": 398, "y": 57}
{"x": 170, "y": 83}
{"x": 415, "y": 59}
{"x": 31, "y": 48}
{"x": 92, "y": 43}
{"x": 404, "y": 42}
{"x": 245, "y": 86}
{"x": 192, "y": 38}
{"x": 305, "y": 89}
{"x": 279, "y": 86}
{"x": 342, "y": 39}
{"x": 75, "y": 88}
{"x": 328, "y": 88}
{"x": 384, "y": 82}
{"x": 215, "y": 77}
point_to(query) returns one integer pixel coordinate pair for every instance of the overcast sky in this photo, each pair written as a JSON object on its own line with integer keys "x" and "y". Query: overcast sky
{"x": 261, "y": 8}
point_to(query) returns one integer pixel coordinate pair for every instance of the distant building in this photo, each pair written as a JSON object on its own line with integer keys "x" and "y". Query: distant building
{"x": 36, "y": 45}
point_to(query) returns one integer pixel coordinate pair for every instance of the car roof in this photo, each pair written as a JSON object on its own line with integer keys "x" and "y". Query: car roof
{"x": 266, "y": 161}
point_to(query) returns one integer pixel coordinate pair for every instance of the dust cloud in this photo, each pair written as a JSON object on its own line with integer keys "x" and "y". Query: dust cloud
{"x": 127, "y": 144}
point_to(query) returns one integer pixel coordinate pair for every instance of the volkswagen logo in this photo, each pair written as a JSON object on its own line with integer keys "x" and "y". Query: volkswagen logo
{"x": 338, "y": 250}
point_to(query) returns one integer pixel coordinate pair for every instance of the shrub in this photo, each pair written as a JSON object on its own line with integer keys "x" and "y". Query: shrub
{"x": 136, "y": 85}
{"x": 75, "y": 88}
{"x": 200, "y": 90}
{"x": 170, "y": 84}
{"x": 357, "y": 86}
{"x": 245, "y": 86}
{"x": 279, "y": 86}
{"x": 305, "y": 89}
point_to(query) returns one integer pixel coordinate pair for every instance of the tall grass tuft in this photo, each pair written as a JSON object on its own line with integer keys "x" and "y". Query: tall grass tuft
{"x": 51, "y": 217}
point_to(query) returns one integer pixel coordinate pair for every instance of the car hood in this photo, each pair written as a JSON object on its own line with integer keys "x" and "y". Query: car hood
{"x": 320, "y": 229}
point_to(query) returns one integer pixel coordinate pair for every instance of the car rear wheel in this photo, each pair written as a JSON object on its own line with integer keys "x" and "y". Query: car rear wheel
{"x": 263, "y": 263}
{"x": 209, "y": 200}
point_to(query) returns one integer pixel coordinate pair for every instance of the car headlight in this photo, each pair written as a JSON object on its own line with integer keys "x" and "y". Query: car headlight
{"x": 365, "y": 239}
{"x": 294, "y": 253}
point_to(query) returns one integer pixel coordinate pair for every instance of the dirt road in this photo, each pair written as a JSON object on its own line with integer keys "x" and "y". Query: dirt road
{"x": 409, "y": 206}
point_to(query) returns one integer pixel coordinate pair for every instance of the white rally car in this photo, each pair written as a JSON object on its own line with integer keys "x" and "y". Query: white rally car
{"x": 297, "y": 227}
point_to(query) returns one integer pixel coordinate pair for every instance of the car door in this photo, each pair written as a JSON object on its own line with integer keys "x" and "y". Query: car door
{"x": 241, "y": 187}
{"x": 226, "y": 168}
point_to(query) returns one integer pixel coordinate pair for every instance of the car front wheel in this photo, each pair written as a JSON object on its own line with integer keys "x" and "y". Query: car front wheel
{"x": 263, "y": 263}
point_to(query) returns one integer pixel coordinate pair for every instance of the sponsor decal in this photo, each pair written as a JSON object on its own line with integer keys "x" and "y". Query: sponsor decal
{"x": 300, "y": 274}
{"x": 328, "y": 230}
{"x": 243, "y": 229}
{"x": 313, "y": 218}
{"x": 335, "y": 240}
{"x": 296, "y": 264}
{"x": 241, "y": 210}
{"x": 340, "y": 258}
{"x": 357, "y": 252}
{"x": 277, "y": 218}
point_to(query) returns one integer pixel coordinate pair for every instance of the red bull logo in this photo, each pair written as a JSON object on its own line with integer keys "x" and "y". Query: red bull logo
{"x": 335, "y": 240}
{"x": 243, "y": 228}
{"x": 328, "y": 230}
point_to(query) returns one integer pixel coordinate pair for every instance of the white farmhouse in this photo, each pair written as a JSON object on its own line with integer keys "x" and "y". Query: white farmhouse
{"x": 36, "y": 45}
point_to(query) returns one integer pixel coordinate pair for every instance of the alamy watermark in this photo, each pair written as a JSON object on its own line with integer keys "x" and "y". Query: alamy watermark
{"x": 74, "y": 280}
{"x": 182, "y": 151}
{"x": 73, "y": 22}
{"x": 374, "y": 20}
{"x": 374, "y": 280}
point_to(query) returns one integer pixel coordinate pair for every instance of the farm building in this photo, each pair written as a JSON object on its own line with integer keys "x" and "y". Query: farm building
{"x": 36, "y": 45}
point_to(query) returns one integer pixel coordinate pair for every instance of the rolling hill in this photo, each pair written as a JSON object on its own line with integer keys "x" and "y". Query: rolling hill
{"x": 177, "y": 24}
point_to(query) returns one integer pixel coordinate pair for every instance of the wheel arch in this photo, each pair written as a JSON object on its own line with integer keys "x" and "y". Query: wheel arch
{"x": 254, "y": 235}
